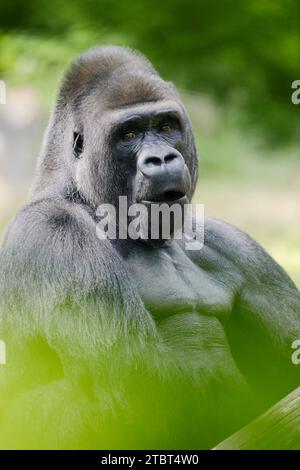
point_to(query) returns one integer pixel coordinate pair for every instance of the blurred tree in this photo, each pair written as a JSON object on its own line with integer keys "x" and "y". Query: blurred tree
{"x": 244, "y": 53}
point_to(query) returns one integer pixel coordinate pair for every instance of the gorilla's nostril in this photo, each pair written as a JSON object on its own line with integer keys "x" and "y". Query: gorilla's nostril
{"x": 153, "y": 161}
{"x": 169, "y": 158}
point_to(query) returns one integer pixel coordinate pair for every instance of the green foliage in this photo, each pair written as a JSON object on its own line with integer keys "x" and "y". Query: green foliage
{"x": 244, "y": 54}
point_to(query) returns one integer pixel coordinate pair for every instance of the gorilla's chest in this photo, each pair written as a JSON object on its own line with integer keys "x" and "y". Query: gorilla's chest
{"x": 169, "y": 282}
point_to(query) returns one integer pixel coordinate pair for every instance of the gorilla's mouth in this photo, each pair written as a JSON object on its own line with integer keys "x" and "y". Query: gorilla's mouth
{"x": 168, "y": 196}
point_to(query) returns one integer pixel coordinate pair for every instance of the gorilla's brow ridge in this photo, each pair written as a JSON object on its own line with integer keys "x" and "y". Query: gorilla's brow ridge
{"x": 136, "y": 116}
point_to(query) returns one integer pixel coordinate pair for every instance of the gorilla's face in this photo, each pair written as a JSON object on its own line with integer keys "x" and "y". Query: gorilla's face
{"x": 147, "y": 142}
{"x": 139, "y": 151}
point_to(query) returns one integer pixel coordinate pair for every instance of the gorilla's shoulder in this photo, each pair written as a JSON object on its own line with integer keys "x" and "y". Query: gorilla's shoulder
{"x": 40, "y": 221}
{"x": 226, "y": 238}
{"x": 53, "y": 244}
{"x": 55, "y": 238}
{"x": 228, "y": 242}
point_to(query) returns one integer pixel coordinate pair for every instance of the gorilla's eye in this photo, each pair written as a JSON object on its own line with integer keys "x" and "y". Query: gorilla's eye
{"x": 129, "y": 135}
{"x": 166, "y": 128}
{"x": 77, "y": 144}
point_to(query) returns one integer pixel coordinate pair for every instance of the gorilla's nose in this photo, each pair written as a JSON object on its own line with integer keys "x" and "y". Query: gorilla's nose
{"x": 155, "y": 164}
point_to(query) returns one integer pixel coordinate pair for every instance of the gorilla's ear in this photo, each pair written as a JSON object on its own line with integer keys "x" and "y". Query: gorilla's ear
{"x": 77, "y": 144}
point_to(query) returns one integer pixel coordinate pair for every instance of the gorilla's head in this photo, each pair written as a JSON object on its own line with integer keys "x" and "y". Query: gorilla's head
{"x": 117, "y": 129}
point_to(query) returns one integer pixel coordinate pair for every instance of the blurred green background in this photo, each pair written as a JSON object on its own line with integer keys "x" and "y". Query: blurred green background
{"x": 233, "y": 63}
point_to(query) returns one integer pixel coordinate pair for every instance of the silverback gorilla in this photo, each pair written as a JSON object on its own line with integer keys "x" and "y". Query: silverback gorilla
{"x": 126, "y": 343}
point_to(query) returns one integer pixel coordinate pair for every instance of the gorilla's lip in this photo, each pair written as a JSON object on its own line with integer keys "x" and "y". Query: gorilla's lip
{"x": 167, "y": 197}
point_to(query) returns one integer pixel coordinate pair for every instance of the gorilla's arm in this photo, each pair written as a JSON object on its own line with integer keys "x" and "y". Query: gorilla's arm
{"x": 74, "y": 330}
{"x": 266, "y": 314}
{"x": 65, "y": 296}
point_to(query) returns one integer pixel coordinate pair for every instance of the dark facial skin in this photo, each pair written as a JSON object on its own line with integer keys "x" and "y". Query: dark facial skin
{"x": 148, "y": 147}
{"x": 148, "y": 144}
{"x": 130, "y": 344}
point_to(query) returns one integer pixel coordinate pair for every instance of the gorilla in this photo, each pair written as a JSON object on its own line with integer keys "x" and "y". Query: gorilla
{"x": 132, "y": 343}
